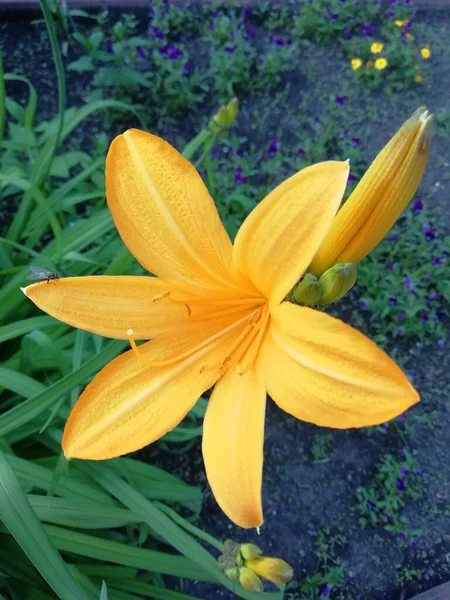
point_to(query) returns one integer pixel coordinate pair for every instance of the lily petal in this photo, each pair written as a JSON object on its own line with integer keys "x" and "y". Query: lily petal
{"x": 109, "y": 306}
{"x": 279, "y": 238}
{"x": 129, "y": 405}
{"x": 233, "y": 436}
{"x": 163, "y": 211}
{"x": 325, "y": 372}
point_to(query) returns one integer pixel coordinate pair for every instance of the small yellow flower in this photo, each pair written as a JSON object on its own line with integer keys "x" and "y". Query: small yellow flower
{"x": 370, "y": 63}
{"x": 356, "y": 63}
{"x": 381, "y": 63}
{"x": 409, "y": 36}
{"x": 376, "y": 47}
{"x": 400, "y": 22}
{"x": 425, "y": 52}
{"x": 418, "y": 78}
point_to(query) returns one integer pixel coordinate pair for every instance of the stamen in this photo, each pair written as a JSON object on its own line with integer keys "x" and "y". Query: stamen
{"x": 250, "y": 357}
{"x": 219, "y": 313}
{"x": 188, "y": 310}
{"x": 163, "y": 363}
{"x": 161, "y": 297}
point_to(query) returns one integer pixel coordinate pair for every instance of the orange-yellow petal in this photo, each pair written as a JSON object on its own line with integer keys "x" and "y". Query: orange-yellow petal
{"x": 164, "y": 212}
{"x": 109, "y": 306}
{"x": 233, "y": 436}
{"x": 129, "y": 405}
{"x": 325, "y": 372}
{"x": 279, "y": 238}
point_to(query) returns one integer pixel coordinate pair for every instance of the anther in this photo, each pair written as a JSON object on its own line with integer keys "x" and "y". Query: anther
{"x": 160, "y": 297}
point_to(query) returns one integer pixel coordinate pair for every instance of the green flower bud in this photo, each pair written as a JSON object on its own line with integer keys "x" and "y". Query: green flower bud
{"x": 230, "y": 557}
{"x": 232, "y": 574}
{"x": 336, "y": 282}
{"x": 272, "y": 569}
{"x": 307, "y": 291}
{"x": 232, "y": 110}
{"x": 250, "y": 551}
{"x": 224, "y": 117}
{"x": 250, "y": 581}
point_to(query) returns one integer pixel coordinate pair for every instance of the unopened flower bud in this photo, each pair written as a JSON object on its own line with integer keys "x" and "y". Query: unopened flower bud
{"x": 336, "y": 282}
{"x": 230, "y": 557}
{"x": 272, "y": 569}
{"x": 232, "y": 574}
{"x": 224, "y": 117}
{"x": 249, "y": 580}
{"x": 380, "y": 197}
{"x": 249, "y": 551}
{"x": 232, "y": 109}
{"x": 307, "y": 291}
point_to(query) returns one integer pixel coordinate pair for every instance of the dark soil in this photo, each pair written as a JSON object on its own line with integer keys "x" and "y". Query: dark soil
{"x": 305, "y": 491}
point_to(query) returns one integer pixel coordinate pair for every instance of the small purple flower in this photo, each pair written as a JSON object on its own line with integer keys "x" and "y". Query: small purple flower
{"x": 280, "y": 43}
{"x": 363, "y": 304}
{"x": 436, "y": 260}
{"x": 356, "y": 140}
{"x": 273, "y": 148}
{"x": 109, "y": 47}
{"x": 385, "y": 426}
{"x": 441, "y": 344}
{"x": 391, "y": 266}
{"x": 424, "y": 316}
{"x": 404, "y": 471}
{"x": 188, "y": 68}
{"x": 439, "y": 314}
{"x": 401, "y": 417}
{"x": 402, "y": 535}
{"x": 428, "y": 233}
{"x": 419, "y": 472}
{"x": 239, "y": 153}
{"x": 391, "y": 14}
{"x": 301, "y": 153}
{"x": 351, "y": 178}
{"x": 400, "y": 330}
{"x": 249, "y": 34}
{"x": 389, "y": 518}
{"x": 419, "y": 346}
{"x": 230, "y": 49}
{"x": 159, "y": 35}
{"x": 401, "y": 316}
{"x": 334, "y": 17}
{"x": 403, "y": 454}
{"x": 392, "y": 301}
{"x": 408, "y": 283}
{"x": 369, "y": 505}
{"x": 417, "y": 207}
{"x": 316, "y": 120}
{"x": 401, "y": 484}
{"x": 140, "y": 52}
{"x": 326, "y": 590}
{"x": 238, "y": 176}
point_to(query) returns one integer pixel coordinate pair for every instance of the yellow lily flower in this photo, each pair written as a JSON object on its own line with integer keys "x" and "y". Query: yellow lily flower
{"x": 218, "y": 315}
{"x": 379, "y": 198}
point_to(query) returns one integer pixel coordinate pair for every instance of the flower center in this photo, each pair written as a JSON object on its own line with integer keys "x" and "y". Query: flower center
{"x": 246, "y": 333}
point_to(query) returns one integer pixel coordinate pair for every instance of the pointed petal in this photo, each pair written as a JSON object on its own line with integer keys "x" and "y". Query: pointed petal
{"x": 233, "y": 436}
{"x": 325, "y": 372}
{"x": 129, "y": 405}
{"x": 164, "y": 212}
{"x": 109, "y": 306}
{"x": 281, "y": 235}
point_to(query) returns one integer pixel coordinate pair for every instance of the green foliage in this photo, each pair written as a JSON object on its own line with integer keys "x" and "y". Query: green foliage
{"x": 396, "y": 481}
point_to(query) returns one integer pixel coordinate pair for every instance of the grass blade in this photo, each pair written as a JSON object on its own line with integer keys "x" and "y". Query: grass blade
{"x": 22, "y": 522}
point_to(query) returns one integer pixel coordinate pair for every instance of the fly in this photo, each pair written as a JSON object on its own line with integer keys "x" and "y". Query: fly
{"x": 41, "y": 274}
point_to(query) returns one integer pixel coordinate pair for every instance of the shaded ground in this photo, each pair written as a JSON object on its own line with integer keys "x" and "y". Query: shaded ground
{"x": 311, "y": 474}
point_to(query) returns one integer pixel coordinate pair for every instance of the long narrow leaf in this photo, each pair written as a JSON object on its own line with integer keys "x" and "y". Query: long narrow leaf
{"x": 22, "y": 522}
